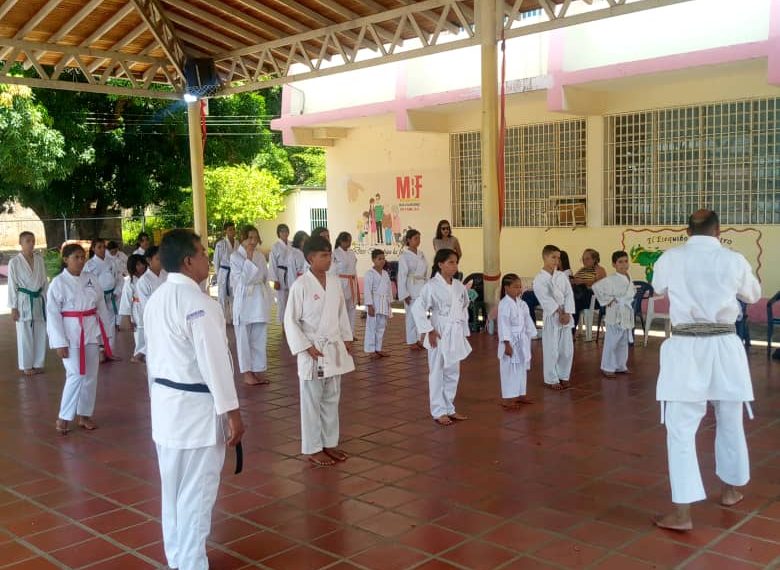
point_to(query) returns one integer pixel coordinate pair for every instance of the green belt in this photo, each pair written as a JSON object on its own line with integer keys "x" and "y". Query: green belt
{"x": 110, "y": 293}
{"x": 34, "y": 295}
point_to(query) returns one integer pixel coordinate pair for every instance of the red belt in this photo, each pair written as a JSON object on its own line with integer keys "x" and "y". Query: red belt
{"x": 82, "y": 345}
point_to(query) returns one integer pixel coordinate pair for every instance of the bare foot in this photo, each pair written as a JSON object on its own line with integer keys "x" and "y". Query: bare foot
{"x": 679, "y": 519}
{"x": 510, "y": 404}
{"x": 260, "y": 378}
{"x": 523, "y": 400}
{"x": 335, "y": 453}
{"x": 730, "y": 496}
{"x": 382, "y": 354}
{"x": 87, "y": 423}
{"x": 416, "y": 346}
{"x": 608, "y": 374}
{"x": 566, "y": 384}
{"x": 28, "y": 372}
{"x": 62, "y": 427}
{"x": 626, "y": 371}
{"x": 321, "y": 459}
{"x": 557, "y": 387}
{"x": 250, "y": 380}
{"x": 443, "y": 421}
{"x": 458, "y": 417}
{"x": 375, "y": 356}
{"x": 38, "y": 370}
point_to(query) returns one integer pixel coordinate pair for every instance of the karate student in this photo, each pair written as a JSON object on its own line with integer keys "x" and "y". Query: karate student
{"x": 616, "y": 293}
{"x": 26, "y": 294}
{"x": 378, "y": 292}
{"x": 516, "y": 329}
{"x": 194, "y": 404}
{"x": 296, "y": 263}
{"x": 104, "y": 268}
{"x": 251, "y": 306}
{"x": 142, "y": 243}
{"x": 447, "y": 301}
{"x": 703, "y": 361}
{"x": 317, "y": 328}
{"x": 130, "y": 306}
{"x": 321, "y": 231}
{"x": 150, "y": 281}
{"x": 75, "y": 315}
{"x": 119, "y": 256}
{"x": 345, "y": 268}
{"x": 222, "y": 252}
{"x": 279, "y": 259}
{"x": 412, "y": 275}
{"x": 120, "y": 271}
{"x": 554, "y": 293}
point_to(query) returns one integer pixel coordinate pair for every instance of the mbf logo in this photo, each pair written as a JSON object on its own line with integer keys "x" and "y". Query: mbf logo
{"x": 408, "y": 187}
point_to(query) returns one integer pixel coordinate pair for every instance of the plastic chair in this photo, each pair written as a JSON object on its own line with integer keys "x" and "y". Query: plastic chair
{"x": 743, "y": 329}
{"x": 771, "y": 321}
{"x": 586, "y": 319}
{"x": 653, "y": 315}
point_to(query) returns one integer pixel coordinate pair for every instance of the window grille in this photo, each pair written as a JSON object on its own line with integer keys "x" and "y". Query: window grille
{"x": 318, "y": 217}
{"x": 663, "y": 164}
{"x": 545, "y": 175}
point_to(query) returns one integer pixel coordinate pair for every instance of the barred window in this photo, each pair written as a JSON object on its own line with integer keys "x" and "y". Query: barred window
{"x": 545, "y": 175}
{"x": 466, "y": 165}
{"x": 318, "y": 218}
{"x": 662, "y": 165}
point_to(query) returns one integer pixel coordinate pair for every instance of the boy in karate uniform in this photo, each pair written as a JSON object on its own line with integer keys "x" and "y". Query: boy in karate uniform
{"x": 318, "y": 331}
{"x": 378, "y": 292}
{"x": 26, "y": 293}
{"x": 616, "y": 293}
{"x": 222, "y": 252}
{"x": 553, "y": 290}
{"x": 279, "y": 266}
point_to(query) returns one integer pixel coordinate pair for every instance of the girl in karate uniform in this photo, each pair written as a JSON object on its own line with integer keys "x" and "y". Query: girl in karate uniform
{"x": 345, "y": 268}
{"x": 130, "y": 307}
{"x": 75, "y": 315}
{"x": 251, "y": 306}
{"x": 412, "y": 275}
{"x": 26, "y": 293}
{"x": 296, "y": 262}
{"x": 104, "y": 268}
{"x": 222, "y": 252}
{"x": 378, "y": 292}
{"x": 446, "y": 300}
{"x": 515, "y": 331}
{"x": 280, "y": 253}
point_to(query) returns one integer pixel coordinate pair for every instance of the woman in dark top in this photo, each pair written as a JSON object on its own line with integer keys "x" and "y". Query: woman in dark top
{"x": 583, "y": 280}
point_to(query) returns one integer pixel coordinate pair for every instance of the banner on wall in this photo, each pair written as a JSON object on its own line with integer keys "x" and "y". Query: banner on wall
{"x": 645, "y": 246}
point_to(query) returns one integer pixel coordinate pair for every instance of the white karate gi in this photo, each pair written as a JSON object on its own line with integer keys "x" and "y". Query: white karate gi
{"x": 616, "y": 293}
{"x": 378, "y": 293}
{"x": 703, "y": 280}
{"x": 516, "y": 326}
{"x": 186, "y": 344}
{"x": 222, "y": 252}
{"x": 251, "y": 309}
{"x": 78, "y": 294}
{"x": 296, "y": 266}
{"x": 553, "y": 292}
{"x": 145, "y": 286}
{"x": 318, "y": 318}
{"x": 130, "y": 306}
{"x": 105, "y": 270}
{"x": 120, "y": 271}
{"x": 31, "y": 326}
{"x": 277, "y": 270}
{"x": 139, "y": 251}
{"x": 412, "y": 275}
{"x": 344, "y": 267}
{"x": 121, "y": 263}
{"x": 448, "y": 307}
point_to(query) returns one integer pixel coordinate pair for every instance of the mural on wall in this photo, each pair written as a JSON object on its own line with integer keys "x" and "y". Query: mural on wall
{"x": 645, "y": 246}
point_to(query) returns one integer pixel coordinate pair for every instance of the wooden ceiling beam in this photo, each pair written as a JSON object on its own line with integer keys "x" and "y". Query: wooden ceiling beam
{"x": 85, "y": 12}
{"x": 108, "y": 25}
{"x": 37, "y": 18}
{"x": 6, "y": 7}
{"x": 153, "y": 15}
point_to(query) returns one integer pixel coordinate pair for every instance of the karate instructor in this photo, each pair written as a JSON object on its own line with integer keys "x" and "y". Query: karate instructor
{"x": 194, "y": 403}
{"x": 704, "y": 361}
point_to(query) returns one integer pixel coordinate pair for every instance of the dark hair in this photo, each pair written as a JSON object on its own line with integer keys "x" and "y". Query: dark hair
{"x": 69, "y": 250}
{"x": 246, "y": 230}
{"x": 141, "y": 236}
{"x": 441, "y": 256}
{"x": 299, "y": 239}
{"x": 594, "y": 254}
{"x": 151, "y": 252}
{"x": 410, "y": 233}
{"x": 376, "y": 253}
{"x": 506, "y": 281}
{"x": 132, "y": 263}
{"x": 25, "y": 234}
{"x": 565, "y": 265}
{"x": 281, "y": 227}
{"x": 548, "y": 249}
{"x": 703, "y": 223}
{"x": 314, "y": 245}
{"x": 175, "y": 246}
{"x": 227, "y": 225}
{"x": 438, "y": 228}
{"x": 343, "y": 236}
{"x": 92, "y": 245}
{"x": 316, "y": 232}
{"x": 112, "y": 245}
{"x": 617, "y": 255}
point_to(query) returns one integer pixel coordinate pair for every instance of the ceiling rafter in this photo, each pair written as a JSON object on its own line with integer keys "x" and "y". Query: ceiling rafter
{"x": 108, "y": 25}
{"x": 153, "y": 14}
{"x": 37, "y": 18}
{"x": 79, "y": 17}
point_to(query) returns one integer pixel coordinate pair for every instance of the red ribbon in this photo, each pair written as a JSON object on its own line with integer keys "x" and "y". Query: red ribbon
{"x": 82, "y": 344}
{"x": 502, "y": 137}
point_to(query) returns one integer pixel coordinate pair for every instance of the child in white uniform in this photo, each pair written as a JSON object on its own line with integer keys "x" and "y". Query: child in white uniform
{"x": 616, "y": 293}
{"x": 516, "y": 329}
{"x": 296, "y": 262}
{"x": 378, "y": 293}
{"x": 222, "y": 252}
{"x": 104, "y": 268}
{"x": 130, "y": 306}
{"x": 278, "y": 262}
{"x": 412, "y": 275}
{"x": 345, "y": 268}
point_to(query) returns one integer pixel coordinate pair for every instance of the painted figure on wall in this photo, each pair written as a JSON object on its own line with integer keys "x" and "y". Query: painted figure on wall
{"x": 646, "y": 258}
{"x": 379, "y": 215}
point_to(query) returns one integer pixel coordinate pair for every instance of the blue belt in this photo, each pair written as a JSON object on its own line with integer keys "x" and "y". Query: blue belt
{"x": 227, "y": 283}
{"x": 202, "y": 389}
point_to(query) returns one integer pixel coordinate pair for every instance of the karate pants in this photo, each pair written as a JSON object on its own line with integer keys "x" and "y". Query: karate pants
{"x": 732, "y": 465}
{"x": 190, "y": 481}
{"x": 412, "y": 336}
{"x": 31, "y": 344}
{"x": 557, "y": 350}
{"x": 319, "y": 413}
{"x": 140, "y": 341}
{"x": 513, "y": 378}
{"x": 375, "y": 333}
{"x": 225, "y": 301}
{"x": 351, "y": 314}
{"x": 251, "y": 343}
{"x": 442, "y": 384}
{"x": 614, "y": 356}
{"x": 281, "y": 304}
{"x": 79, "y": 392}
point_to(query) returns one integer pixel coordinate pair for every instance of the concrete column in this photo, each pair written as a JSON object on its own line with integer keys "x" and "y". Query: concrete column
{"x": 487, "y": 11}
{"x": 196, "y": 169}
{"x": 595, "y": 171}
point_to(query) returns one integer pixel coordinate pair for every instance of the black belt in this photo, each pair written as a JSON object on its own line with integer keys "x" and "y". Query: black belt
{"x": 202, "y": 389}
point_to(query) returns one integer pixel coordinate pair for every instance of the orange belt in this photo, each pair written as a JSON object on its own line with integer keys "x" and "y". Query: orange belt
{"x": 353, "y": 287}
{"x": 82, "y": 345}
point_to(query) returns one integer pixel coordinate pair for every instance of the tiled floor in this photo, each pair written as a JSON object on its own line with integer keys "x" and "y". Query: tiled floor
{"x": 570, "y": 482}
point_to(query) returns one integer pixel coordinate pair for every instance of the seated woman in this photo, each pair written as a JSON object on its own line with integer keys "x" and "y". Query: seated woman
{"x": 581, "y": 282}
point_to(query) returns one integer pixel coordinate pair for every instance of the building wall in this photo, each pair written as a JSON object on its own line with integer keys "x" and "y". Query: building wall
{"x": 296, "y": 214}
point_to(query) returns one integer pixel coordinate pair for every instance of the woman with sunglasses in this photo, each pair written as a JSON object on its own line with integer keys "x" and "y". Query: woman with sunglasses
{"x": 445, "y": 240}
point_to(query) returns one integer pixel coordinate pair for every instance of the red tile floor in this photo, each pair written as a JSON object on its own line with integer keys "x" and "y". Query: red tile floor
{"x": 570, "y": 482}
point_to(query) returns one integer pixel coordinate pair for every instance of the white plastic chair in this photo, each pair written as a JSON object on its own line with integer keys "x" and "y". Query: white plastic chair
{"x": 651, "y": 315}
{"x": 586, "y": 320}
